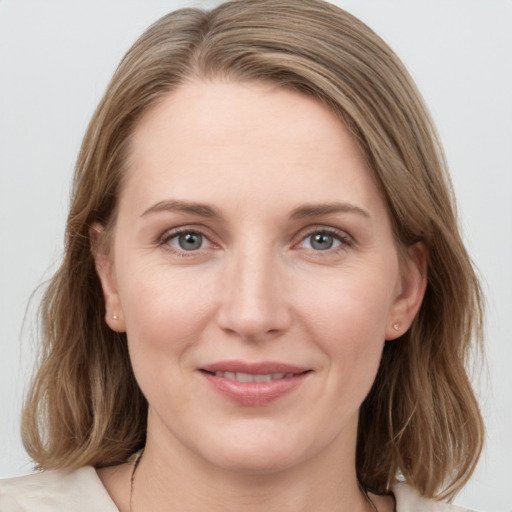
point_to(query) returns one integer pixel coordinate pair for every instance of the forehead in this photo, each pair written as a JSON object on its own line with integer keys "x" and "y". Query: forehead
{"x": 228, "y": 139}
{"x": 251, "y": 113}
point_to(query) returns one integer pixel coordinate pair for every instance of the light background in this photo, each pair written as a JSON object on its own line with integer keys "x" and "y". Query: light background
{"x": 55, "y": 60}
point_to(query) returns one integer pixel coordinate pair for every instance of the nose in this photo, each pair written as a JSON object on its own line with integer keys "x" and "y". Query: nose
{"x": 254, "y": 304}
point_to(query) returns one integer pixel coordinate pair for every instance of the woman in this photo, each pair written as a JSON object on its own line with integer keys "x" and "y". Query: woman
{"x": 264, "y": 295}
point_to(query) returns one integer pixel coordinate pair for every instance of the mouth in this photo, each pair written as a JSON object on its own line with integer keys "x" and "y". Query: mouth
{"x": 249, "y": 377}
{"x": 250, "y": 384}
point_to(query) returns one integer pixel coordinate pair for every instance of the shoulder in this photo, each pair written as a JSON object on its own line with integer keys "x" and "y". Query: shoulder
{"x": 408, "y": 499}
{"x": 55, "y": 491}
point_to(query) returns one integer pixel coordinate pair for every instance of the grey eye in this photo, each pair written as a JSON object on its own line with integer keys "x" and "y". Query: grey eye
{"x": 321, "y": 241}
{"x": 189, "y": 241}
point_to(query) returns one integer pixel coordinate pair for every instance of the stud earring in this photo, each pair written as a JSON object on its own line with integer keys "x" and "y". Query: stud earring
{"x": 115, "y": 317}
{"x": 396, "y": 326}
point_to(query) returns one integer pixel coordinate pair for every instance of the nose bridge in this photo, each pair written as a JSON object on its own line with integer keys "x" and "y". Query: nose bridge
{"x": 253, "y": 300}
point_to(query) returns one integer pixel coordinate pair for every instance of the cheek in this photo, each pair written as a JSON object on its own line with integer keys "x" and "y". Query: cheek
{"x": 164, "y": 308}
{"x": 354, "y": 303}
{"x": 348, "y": 317}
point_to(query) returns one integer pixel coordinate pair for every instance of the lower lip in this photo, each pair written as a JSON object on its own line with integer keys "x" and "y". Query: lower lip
{"x": 254, "y": 393}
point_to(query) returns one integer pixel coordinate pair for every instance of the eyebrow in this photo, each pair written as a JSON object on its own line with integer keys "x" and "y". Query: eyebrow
{"x": 173, "y": 205}
{"x": 315, "y": 210}
{"x": 301, "y": 212}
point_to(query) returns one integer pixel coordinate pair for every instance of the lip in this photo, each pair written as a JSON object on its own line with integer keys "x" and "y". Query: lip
{"x": 253, "y": 394}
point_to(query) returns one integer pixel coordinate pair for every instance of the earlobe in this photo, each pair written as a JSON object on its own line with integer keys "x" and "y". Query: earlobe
{"x": 413, "y": 283}
{"x": 106, "y": 273}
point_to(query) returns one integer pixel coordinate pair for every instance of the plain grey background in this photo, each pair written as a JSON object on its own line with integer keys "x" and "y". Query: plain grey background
{"x": 55, "y": 60}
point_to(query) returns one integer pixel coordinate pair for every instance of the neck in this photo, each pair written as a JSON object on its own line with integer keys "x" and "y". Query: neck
{"x": 284, "y": 491}
{"x": 170, "y": 477}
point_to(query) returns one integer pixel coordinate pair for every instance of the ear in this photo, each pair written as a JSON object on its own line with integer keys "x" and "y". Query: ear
{"x": 410, "y": 290}
{"x": 106, "y": 272}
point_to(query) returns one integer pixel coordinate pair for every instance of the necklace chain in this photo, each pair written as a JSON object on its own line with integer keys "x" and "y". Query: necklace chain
{"x": 132, "y": 477}
{"x": 364, "y": 490}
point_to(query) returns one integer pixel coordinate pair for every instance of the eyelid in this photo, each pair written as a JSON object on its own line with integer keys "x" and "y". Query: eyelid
{"x": 169, "y": 234}
{"x": 346, "y": 239}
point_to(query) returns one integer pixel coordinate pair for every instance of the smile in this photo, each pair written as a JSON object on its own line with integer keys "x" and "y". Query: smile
{"x": 253, "y": 384}
{"x": 248, "y": 377}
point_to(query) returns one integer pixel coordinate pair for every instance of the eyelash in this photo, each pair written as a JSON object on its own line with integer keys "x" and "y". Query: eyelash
{"x": 165, "y": 239}
{"x": 345, "y": 241}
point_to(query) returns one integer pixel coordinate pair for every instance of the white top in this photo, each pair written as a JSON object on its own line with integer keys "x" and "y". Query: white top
{"x": 83, "y": 491}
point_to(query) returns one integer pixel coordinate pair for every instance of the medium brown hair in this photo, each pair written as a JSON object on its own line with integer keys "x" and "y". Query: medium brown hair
{"x": 421, "y": 418}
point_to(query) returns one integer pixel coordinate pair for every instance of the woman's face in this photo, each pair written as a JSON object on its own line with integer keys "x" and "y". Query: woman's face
{"x": 254, "y": 269}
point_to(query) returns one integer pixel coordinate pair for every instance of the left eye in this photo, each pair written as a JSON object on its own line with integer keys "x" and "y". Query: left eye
{"x": 321, "y": 241}
{"x": 188, "y": 241}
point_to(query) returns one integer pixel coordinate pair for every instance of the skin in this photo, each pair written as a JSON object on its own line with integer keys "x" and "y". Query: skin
{"x": 257, "y": 289}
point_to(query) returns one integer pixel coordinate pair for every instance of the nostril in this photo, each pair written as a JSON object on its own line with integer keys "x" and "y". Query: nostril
{"x": 252, "y": 303}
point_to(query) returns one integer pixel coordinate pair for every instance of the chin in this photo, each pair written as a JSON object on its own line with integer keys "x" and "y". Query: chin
{"x": 259, "y": 452}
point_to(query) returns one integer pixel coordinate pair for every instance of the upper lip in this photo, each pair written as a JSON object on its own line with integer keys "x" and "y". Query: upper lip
{"x": 260, "y": 368}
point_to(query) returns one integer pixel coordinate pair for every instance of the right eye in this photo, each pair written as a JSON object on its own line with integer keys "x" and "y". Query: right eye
{"x": 188, "y": 241}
